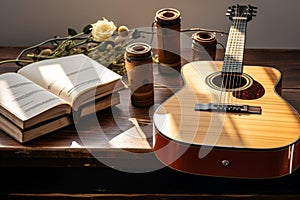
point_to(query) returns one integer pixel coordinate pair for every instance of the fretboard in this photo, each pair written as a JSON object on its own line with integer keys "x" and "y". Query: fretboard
{"x": 234, "y": 54}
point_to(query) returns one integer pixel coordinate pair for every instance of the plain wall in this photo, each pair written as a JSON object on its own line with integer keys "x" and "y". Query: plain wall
{"x": 27, "y": 22}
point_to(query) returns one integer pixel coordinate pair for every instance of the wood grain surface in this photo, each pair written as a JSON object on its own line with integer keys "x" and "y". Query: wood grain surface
{"x": 60, "y": 166}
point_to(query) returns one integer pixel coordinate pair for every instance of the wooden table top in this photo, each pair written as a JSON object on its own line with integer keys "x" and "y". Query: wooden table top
{"x": 81, "y": 147}
{"x": 78, "y": 141}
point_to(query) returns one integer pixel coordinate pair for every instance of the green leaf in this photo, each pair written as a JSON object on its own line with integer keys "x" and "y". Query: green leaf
{"x": 87, "y": 29}
{"x": 71, "y": 32}
{"x": 136, "y": 34}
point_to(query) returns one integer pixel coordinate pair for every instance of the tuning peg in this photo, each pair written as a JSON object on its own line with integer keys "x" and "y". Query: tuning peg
{"x": 229, "y": 11}
{"x": 253, "y": 7}
{"x": 231, "y": 7}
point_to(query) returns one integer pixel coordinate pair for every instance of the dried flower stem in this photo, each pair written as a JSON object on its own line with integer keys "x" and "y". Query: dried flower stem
{"x": 14, "y": 61}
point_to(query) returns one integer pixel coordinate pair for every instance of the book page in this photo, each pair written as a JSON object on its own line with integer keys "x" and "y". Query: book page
{"x": 23, "y": 98}
{"x": 68, "y": 77}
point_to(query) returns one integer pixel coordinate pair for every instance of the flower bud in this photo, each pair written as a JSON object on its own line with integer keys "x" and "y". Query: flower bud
{"x": 45, "y": 52}
{"x": 123, "y": 31}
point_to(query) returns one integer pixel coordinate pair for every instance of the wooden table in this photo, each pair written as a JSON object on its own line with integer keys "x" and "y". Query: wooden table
{"x": 77, "y": 162}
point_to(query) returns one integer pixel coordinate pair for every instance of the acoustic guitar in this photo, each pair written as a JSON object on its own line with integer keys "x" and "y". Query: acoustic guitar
{"x": 229, "y": 119}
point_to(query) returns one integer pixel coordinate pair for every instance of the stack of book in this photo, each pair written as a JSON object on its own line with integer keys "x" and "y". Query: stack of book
{"x": 47, "y": 95}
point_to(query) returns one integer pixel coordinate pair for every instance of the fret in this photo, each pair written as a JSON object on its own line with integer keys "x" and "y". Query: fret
{"x": 234, "y": 54}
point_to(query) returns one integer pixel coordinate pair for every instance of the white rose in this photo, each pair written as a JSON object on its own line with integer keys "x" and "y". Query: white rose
{"x": 103, "y": 30}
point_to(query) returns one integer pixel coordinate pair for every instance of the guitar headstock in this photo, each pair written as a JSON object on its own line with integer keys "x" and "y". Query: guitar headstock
{"x": 241, "y": 11}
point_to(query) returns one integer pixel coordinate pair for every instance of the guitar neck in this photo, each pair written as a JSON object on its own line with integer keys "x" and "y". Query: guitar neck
{"x": 234, "y": 54}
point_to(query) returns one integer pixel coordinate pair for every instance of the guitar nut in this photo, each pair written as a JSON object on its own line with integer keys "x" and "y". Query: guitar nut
{"x": 225, "y": 163}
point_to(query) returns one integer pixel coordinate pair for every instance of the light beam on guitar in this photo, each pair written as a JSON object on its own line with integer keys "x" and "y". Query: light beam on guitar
{"x": 243, "y": 128}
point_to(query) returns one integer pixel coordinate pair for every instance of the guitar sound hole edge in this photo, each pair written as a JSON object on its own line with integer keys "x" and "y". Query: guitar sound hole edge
{"x": 229, "y": 82}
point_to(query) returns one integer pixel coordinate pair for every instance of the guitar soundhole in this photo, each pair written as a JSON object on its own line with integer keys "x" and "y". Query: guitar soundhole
{"x": 229, "y": 82}
{"x": 241, "y": 86}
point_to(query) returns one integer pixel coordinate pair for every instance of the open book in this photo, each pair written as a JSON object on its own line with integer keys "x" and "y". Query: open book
{"x": 44, "y": 96}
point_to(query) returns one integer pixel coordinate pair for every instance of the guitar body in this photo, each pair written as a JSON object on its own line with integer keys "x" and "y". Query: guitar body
{"x": 228, "y": 144}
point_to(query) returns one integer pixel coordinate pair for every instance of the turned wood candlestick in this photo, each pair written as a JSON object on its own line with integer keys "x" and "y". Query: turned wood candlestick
{"x": 204, "y": 45}
{"x": 168, "y": 25}
{"x": 139, "y": 67}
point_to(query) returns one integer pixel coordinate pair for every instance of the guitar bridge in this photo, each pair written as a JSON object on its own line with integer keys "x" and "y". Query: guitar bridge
{"x": 217, "y": 107}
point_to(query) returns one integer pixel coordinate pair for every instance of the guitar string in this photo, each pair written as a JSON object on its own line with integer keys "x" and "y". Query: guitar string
{"x": 224, "y": 69}
{"x": 239, "y": 54}
{"x": 242, "y": 46}
{"x": 245, "y": 15}
{"x": 222, "y": 98}
{"x": 237, "y": 59}
{"x": 236, "y": 74}
{"x": 234, "y": 57}
{"x": 229, "y": 64}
